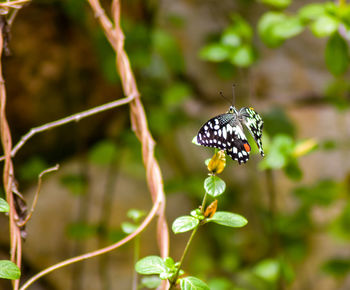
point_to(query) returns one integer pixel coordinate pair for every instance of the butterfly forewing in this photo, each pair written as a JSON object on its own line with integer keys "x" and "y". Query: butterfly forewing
{"x": 225, "y": 132}
{"x": 254, "y": 123}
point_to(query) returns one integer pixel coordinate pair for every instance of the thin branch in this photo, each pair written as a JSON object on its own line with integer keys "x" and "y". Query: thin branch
{"x": 8, "y": 173}
{"x": 76, "y": 117}
{"x": 51, "y": 169}
{"x": 138, "y": 118}
{"x": 173, "y": 282}
{"x": 67, "y": 262}
{"x": 14, "y": 4}
{"x": 139, "y": 125}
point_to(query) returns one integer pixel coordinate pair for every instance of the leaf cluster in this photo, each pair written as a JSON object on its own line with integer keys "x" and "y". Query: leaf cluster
{"x": 323, "y": 20}
{"x": 234, "y": 46}
{"x": 166, "y": 268}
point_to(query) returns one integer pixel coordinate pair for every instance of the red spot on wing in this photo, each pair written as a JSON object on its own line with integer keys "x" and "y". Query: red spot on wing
{"x": 246, "y": 147}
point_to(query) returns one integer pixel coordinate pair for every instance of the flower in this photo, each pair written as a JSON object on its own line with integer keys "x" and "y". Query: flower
{"x": 217, "y": 163}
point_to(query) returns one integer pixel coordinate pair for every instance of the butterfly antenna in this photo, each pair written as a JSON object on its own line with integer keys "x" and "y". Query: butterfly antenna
{"x": 233, "y": 94}
{"x": 222, "y": 95}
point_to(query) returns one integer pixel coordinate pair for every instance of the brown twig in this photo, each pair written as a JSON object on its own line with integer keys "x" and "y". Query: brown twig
{"x": 98, "y": 252}
{"x": 8, "y": 174}
{"x": 14, "y": 3}
{"x": 51, "y": 169}
{"x": 73, "y": 118}
{"x": 137, "y": 115}
{"x": 115, "y": 36}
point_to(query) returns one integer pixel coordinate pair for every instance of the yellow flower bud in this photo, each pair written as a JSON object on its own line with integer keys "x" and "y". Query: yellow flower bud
{"x": 217, "y": 163}
{"x": 304, "y": 147}
{"x": 211, "y": 209}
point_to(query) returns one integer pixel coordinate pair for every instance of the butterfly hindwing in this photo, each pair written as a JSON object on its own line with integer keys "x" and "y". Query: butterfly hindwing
{"x": 254, "y": 123}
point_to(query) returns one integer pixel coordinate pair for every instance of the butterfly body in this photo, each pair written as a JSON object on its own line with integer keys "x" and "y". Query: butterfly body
{"x": 225, "y": 132}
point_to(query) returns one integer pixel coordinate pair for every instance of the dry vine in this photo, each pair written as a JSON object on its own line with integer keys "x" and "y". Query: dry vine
{"x": 8, "y": 173}
{"x": 115, "y": 36}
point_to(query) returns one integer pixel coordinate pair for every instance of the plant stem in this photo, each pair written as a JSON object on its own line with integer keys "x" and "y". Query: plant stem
{"x": 203, "y": 202}
{"x": 136, "y": 258}
{"x": 173, "y": 282}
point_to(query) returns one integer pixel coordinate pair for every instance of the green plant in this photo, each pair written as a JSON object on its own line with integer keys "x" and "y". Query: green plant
{"x": 214, "y": 187}
{"x": 327, "y": 19}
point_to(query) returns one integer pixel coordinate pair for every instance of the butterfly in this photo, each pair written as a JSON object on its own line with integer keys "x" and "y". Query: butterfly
{"x": 225, "y": 132}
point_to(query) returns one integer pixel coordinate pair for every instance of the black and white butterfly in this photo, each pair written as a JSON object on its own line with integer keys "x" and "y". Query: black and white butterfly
{"x": 225, "y": 132}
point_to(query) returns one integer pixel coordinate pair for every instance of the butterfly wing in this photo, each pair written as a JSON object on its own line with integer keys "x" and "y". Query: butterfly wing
{"x": 225, "y": 132}
{"x": 254, "y": 123}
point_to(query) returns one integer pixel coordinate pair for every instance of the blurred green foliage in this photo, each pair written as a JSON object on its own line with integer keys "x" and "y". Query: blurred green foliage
{"x": 30, "y": 170}
{"x": 234, "y": 46}
{"x": 75, "y": 183}
{"x": 4, "y": 207}
{"x": 81, "y": 231}
{"x": 276, "y": 241}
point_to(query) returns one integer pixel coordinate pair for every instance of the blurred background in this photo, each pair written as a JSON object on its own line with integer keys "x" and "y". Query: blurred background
{"x": 288, "y": 61}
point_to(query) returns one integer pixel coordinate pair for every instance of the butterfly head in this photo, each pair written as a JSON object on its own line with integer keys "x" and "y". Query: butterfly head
{"x": 232, "y": 110}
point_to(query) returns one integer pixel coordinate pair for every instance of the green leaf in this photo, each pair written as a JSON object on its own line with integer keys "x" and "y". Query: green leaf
{"x": 290, "y": 27}
{"x": 228, "y": 219}
{"x": 150, "y": 265}
{"x": 311, "y": 11}
{"x": 150, "y": 282}
{"x": 324, "y": 26}
{"x": 103, "y": 153}
{"x": 184, "y": 224}
{"x": 337, "y": 54}
{"x": 192, "y": 283}
{"x": 214, "y": 52}
{"x": 128, "y": 228}
{"x": 281, "y": 149}
{"x": 135, "y": 214}
{"x": 268, "y": 270}
{"x": 169, "y": 263}
{"x": 243, "y": 56}
{"x": 9, "y": 270}
{"x": 4, "y": 206}
{"x": 280, "y": 4}
{"x": 265, "y": 28}
{"x": 231, "y": 38}
{"x": 214, "y": 186}
{"x": 241, "y": 27}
